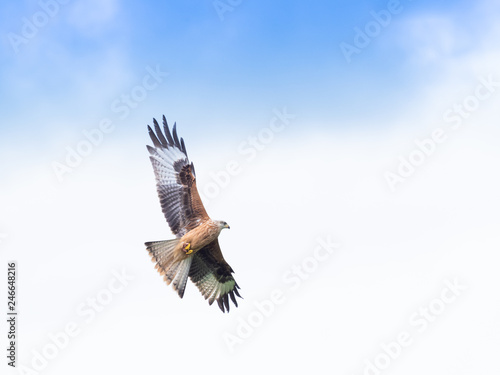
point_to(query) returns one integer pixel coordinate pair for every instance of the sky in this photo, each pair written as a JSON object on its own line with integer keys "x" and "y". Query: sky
{"x": 351, "y": 147}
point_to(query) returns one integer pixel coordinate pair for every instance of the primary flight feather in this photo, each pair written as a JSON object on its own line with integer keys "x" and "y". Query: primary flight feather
{"x": 195, "y": 252}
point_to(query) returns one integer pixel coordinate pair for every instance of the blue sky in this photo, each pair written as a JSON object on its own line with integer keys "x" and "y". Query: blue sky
{"x": 259, "y": 56}
{"x": 79, "y": 93}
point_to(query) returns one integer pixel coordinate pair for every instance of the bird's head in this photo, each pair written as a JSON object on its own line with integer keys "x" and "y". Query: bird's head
{"x": 222, "y": 224}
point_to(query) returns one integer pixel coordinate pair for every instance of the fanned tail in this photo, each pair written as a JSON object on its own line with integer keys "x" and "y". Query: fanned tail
{"x": 175, "y": 270}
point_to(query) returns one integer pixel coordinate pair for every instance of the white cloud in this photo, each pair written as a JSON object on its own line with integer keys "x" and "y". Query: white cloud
{"x": 443, "y": 38}
{"x": 91, "y": 17}
{"x": 396, "y": 251}
{"x": 432, "y": 38}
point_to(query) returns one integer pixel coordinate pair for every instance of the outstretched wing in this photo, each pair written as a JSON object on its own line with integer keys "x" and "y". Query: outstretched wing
{"x": 212, "y": 275}
{"x": 175, "y": 180}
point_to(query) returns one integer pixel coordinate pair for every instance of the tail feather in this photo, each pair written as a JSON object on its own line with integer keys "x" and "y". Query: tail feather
{"x": 169, "y": 264}
{"x": 180, "y": 280}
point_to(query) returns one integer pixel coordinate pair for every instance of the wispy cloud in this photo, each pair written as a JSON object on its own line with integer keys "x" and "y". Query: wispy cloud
{"x": 92, "y": 17}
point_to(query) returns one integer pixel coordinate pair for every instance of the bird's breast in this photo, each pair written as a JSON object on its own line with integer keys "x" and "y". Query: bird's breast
{"x": 202, "y": 235}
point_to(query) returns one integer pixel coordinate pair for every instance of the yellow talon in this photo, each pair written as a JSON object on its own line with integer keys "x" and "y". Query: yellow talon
{"x": 188, "y": 249}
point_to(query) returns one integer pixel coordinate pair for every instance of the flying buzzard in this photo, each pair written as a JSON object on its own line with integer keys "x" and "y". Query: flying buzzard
{"x": 195, "y": 251}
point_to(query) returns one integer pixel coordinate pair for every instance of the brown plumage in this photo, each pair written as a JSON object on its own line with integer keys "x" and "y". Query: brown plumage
{"x": 195, "y": 253}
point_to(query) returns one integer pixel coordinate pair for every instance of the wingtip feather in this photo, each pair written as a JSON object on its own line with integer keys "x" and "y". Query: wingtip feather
{"x": 167, "y": 131}
{"x": 159, "y": 134}
{"x": 233, "y": 298}
{"x": 221, "y": 304}
{"x": 176, "y": 138}
{"x": 153, "y": 137}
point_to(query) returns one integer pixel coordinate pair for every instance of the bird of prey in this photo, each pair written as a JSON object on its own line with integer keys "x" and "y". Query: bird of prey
{"x": 195, "y": 252}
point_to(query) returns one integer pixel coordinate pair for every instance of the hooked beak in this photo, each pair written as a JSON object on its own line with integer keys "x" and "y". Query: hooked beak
{"x": 227, "y": 226}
